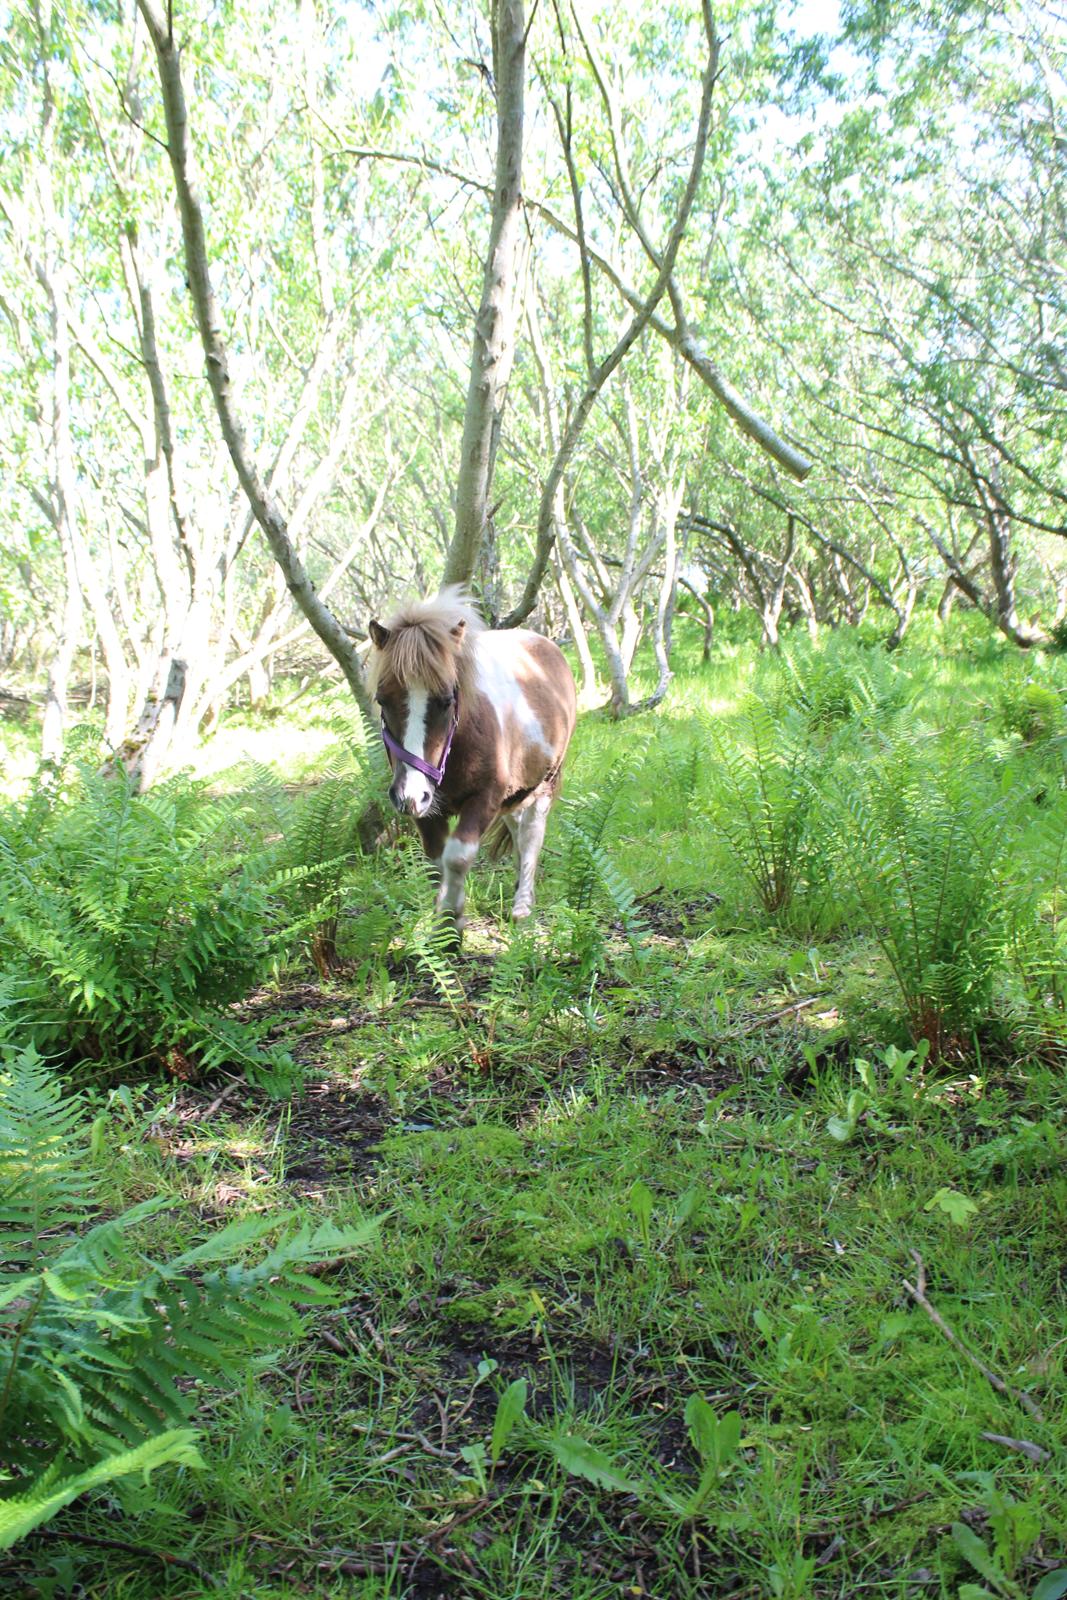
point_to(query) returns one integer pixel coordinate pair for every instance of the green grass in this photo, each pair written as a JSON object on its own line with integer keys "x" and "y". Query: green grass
{"x": 625, "y": 1171}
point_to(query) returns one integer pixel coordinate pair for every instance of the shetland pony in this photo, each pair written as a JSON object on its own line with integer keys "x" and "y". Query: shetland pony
{"x": 476, "y": 724}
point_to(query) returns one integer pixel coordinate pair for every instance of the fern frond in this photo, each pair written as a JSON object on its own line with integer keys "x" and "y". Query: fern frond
{"x": 29, "y": 1507}
{"x": 96, "y": 1344}
{"x": 42, "y": 1187}
{"x": 600, "y": 871}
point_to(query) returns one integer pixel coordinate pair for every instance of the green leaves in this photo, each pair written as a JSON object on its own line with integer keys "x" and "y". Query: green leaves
{"x": 959, "y": 1208}
{"x": 717, "y": 1440}
{"x": 20, "y": 1513}
{"x": 583, "y": 1460}
{"x": 842, "y": 1128}
{"x": 762, "y": 802}
{"x": 95, "y": 1339}
{"x": 510, "y": 1407}
{"x": 130, "y": 923}
{"x": 43, "y": 1187}
{"x": 641, "y": 1204}
{"x": 918, "y": 840}
{"x": 975, "y": 1552}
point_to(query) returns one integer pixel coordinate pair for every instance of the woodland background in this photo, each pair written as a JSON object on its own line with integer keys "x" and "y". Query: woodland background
{"x": 873, "y": 262}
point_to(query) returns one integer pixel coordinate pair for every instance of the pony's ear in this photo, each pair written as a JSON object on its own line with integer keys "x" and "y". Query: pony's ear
{"x": 458, "y": 631}
{"x": 379, "y": 635}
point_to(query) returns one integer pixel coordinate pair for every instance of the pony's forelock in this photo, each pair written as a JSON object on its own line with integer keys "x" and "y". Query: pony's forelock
{"x": 422, "y": 649}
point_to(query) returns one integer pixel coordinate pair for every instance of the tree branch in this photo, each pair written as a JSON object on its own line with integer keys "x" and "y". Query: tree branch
{"x": 267, "y": 511}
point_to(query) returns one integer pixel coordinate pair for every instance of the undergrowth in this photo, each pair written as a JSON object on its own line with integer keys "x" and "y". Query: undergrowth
{"x": 784, "y": 1038}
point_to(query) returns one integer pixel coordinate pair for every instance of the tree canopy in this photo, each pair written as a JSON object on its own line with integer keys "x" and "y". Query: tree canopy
{"x": 841, "y": 395}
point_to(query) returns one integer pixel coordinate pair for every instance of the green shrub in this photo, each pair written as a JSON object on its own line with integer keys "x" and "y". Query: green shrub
{"x": 129, "y": 923}
{"x": 322, "y": 842}
{"x": 97, "y": 1343}
{"x": 918, "y": 838}
{"x": 765, "y": 790}
{"x": 840, "y": 683}
{"x": 1057, "y": 638}
{"x": 1034, "y": 711}
{"x": 590, "y": 877}
{"x": 1037, "y": 922}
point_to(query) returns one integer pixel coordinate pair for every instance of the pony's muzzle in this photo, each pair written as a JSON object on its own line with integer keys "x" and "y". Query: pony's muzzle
{"x": 411, "y": 798}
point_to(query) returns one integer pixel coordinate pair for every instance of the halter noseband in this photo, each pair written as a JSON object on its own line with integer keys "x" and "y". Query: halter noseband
{"x": 397, "y": 751}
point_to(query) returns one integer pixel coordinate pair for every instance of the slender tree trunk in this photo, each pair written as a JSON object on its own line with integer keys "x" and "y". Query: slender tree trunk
{"x": 1002, "y": 567}
{"x": 495, "y": 326}
{"x": 906, "y": 607}
{"x": 807, "y": 604}
{"x": 588, "y": 689}
{"x": 707, "y": 615}
{"x": 666, "y": 599}
{"x": 643, "y": 315}
{"x": 267, "y": 511}
{"x": 947, "y": 601}
{"x": 55, "y": 705}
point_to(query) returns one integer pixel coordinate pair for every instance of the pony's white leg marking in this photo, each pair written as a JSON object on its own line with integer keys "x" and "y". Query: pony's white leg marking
{"x": 531, "y": 831}
{"x": 415, "y": 785}
{"x": 457, "y": 858}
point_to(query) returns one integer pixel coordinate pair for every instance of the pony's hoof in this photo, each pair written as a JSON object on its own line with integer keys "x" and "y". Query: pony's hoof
{"x": 521, "y": 911}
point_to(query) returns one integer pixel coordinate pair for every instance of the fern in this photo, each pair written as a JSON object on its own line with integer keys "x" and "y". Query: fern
{"x": 837, "y": 683}
{"x": 918, "y": 841}
{"x": 36, "y": 1125}
{"x": 585, "y": 822}
{"x": 589, "y": 869}
{"x": 39, "y": 1501}
{"x": 766, "y": 789}
{"x": 432, "y": 943}
{"x": 130, "y": 923}
{"x": 1037, "y": 921}
{"x": 96, "y": 1342}
{"x": 320, "y": 846}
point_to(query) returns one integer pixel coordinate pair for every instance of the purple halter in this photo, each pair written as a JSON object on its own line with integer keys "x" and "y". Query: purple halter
{"x": 397, "y": 751}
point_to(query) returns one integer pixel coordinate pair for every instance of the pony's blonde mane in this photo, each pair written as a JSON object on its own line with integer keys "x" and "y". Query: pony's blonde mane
{"x": 423, "y": 649}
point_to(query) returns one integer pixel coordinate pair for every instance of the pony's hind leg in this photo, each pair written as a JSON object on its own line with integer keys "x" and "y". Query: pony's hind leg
{"x": 530, "y": 829}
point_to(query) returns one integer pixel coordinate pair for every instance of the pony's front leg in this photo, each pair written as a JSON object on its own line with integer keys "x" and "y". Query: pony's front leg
{"x": 530, "y": 836}
{"x": 433, "y": 832}
{"x": 457, "y": 858}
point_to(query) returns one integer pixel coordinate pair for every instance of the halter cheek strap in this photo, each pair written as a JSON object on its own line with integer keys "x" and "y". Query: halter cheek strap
{"x": 397, "y": 751}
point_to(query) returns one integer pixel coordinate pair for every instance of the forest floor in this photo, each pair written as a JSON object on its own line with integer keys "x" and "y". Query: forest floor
{"x": 623, "y": 1174}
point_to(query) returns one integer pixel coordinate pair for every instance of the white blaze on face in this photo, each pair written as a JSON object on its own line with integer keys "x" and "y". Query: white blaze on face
{"x": 415, "y": 785}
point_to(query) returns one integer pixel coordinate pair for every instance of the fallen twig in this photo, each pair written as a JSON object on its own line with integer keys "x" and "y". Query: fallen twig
{"x": 917, "y": 1290}
{"x": 776, "y": 1016}
{"x": 1025, "y": 1447}
{"x": 143, "y": 1552}
{"x": 230, "y": 1089}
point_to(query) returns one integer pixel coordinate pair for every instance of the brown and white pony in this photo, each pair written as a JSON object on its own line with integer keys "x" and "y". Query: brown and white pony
{"x": 476, "y": 724}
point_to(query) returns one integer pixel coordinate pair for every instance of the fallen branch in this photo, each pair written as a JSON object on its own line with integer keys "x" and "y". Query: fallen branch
{"x": 917, "y": 1290}
{"x": 776, "y": 1016}
{"x": 1025, "y": 1447}
{"x": 143, "y": 1552}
